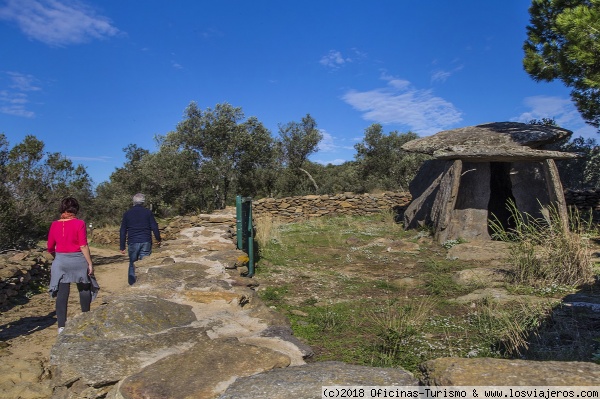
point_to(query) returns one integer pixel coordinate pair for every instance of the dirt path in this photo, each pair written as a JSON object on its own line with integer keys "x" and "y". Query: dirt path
{"x": 28, "y": 331}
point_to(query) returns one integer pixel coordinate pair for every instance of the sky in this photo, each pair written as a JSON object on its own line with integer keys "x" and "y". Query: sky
{"x": 88, "y": 78}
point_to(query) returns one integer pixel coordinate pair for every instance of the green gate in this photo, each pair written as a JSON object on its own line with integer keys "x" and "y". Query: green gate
{"x": 245, "y": 229}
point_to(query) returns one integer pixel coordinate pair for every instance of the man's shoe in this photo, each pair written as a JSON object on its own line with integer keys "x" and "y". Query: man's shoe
{"x": 131, "y": 279}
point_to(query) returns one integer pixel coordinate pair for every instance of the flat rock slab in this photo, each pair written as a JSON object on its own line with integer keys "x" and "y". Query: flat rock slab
{"x": 498, "y": 295}
{"x": 481, "y": 276}
{"x": 97, "y": 363}
{"x": 501, "y": 372}
{"x": 127, "y": 317}
{"x": 201, "y": 372}
{"x": 306, "y": 381}
{"x": 489, "y": 135}
{"x": 482, "y": 251}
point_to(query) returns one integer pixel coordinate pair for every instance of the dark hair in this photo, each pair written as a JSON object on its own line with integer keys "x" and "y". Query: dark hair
{"x": 70, "y": 205}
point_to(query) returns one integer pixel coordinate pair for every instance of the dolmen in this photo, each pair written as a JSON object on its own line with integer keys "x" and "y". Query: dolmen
{"x": 476, "y": 171}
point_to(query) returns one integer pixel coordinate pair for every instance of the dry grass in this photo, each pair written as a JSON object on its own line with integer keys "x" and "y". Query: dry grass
{"x": 547, "y": 250}
{"x": 268, "y": 230}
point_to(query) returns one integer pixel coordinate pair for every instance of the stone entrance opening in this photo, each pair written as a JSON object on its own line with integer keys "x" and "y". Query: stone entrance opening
{"x": 500, "y": 195}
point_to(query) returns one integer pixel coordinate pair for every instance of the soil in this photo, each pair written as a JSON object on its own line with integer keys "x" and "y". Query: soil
{"x": 28, "y": 330}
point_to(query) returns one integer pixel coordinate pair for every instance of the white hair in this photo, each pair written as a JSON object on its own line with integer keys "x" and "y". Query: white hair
{"x": 139, "y": 198}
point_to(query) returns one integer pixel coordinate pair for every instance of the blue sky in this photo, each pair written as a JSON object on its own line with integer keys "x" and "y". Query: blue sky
{"x": 89, "y": 77}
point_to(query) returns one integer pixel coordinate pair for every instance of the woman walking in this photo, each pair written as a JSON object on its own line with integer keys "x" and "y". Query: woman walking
{"x": 67, "y": 242}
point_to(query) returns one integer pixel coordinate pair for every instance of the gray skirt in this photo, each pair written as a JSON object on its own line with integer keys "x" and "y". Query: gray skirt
{"x": 68, "y": 268}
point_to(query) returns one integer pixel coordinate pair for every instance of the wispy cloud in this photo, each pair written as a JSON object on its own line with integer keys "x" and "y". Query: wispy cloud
{"x": 22, "y": 82}
{"x": 334, "y": 60}
{"x": 327, "y": 144}
{"x": 562, "y": 110}
{"x": 440, "y": 76}
{"x": 57, "y": 23}
{"x": 89, "y": 159}
{"x": 209, "y": 33}
{"x": 337, "y": 161}
{"x": 14, "y": 99}
{"x": 400, "y": 103}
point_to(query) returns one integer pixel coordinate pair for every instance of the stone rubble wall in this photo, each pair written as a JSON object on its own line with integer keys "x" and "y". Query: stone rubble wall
{"x": 292, "y": 209}
{"x": 20, "y": 272}
{"x": 583, "y": 199}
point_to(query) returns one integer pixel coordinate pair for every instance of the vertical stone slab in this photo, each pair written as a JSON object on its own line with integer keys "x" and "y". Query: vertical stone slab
{"x": 555, "y": 190}
{"x": 423, "y": 189}
{"x": 469, "y": 218}
{"x": 530, "y": 188}
{"x": 441, "y": 211}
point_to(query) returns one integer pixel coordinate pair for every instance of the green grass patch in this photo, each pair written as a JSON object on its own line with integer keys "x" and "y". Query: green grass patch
{"x": 341, "y": 281}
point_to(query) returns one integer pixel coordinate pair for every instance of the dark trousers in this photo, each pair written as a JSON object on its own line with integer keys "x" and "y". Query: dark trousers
{"x": 137, "y": 251}
{"x": 62, "y": 300}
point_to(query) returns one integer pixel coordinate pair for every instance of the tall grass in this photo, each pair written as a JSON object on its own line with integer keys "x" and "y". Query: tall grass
{"x": 397, "y": 328}
{"x": 268, "y": 231}
{"x": 510, "y": 329}
{"x": 546, "y": 250}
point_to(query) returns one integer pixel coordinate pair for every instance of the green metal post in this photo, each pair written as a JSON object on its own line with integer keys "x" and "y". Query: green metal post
{"x": 245, "y": 229}
{"x": 238, "y": 222}
{"x": 250, "y": 240}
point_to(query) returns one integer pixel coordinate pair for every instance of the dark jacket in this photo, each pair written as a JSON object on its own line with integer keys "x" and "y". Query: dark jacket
{"x": 137, "y": 226}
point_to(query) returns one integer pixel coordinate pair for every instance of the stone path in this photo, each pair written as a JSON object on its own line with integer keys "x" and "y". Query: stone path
{"x": 190, "y": 327}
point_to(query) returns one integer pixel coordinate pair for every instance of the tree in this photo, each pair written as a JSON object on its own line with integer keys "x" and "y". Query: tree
{"x": 32, "y": 184}
{"x": 582, "y": 172}
{"x": 298, "y": 140}
{"x": 229, "y": 149}
{"x": 172, "y": 181}
{"x": 114, "y": 196}
{"x": 563, "y": 42}
{"x": 382, "y": 164}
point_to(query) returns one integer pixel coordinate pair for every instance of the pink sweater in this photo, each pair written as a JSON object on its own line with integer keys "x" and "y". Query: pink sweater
{"x": 67, "y": 236}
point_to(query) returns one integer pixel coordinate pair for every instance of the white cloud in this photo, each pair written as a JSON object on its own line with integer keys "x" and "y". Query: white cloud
{"x": 15, "y": 100}
{"x": 562, "y": 110}
{"x": 57, "y": 22}
{"x": 327, "y": 143}
{"x": 22, "y": 82}
{"x": 12, "y": 103}
{"x": 89, "y": 159}
{"x": 440, "y": 76}
{"x": 337, "y": 161}
{"x": 334, "y": 60}
{"x": 400, "y": 103}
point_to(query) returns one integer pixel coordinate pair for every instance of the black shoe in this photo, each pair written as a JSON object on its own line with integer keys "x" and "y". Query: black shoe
{"x": 131, "y": 279}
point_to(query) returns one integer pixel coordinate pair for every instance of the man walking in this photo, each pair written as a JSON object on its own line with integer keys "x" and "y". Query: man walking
{"x": 137, "y": 227}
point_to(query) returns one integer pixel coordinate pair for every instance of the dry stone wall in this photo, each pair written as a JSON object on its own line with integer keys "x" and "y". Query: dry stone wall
{"x": 291, "y": 209}
{"x": 583, "y": 199}
{"x": 20, "y": 271}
